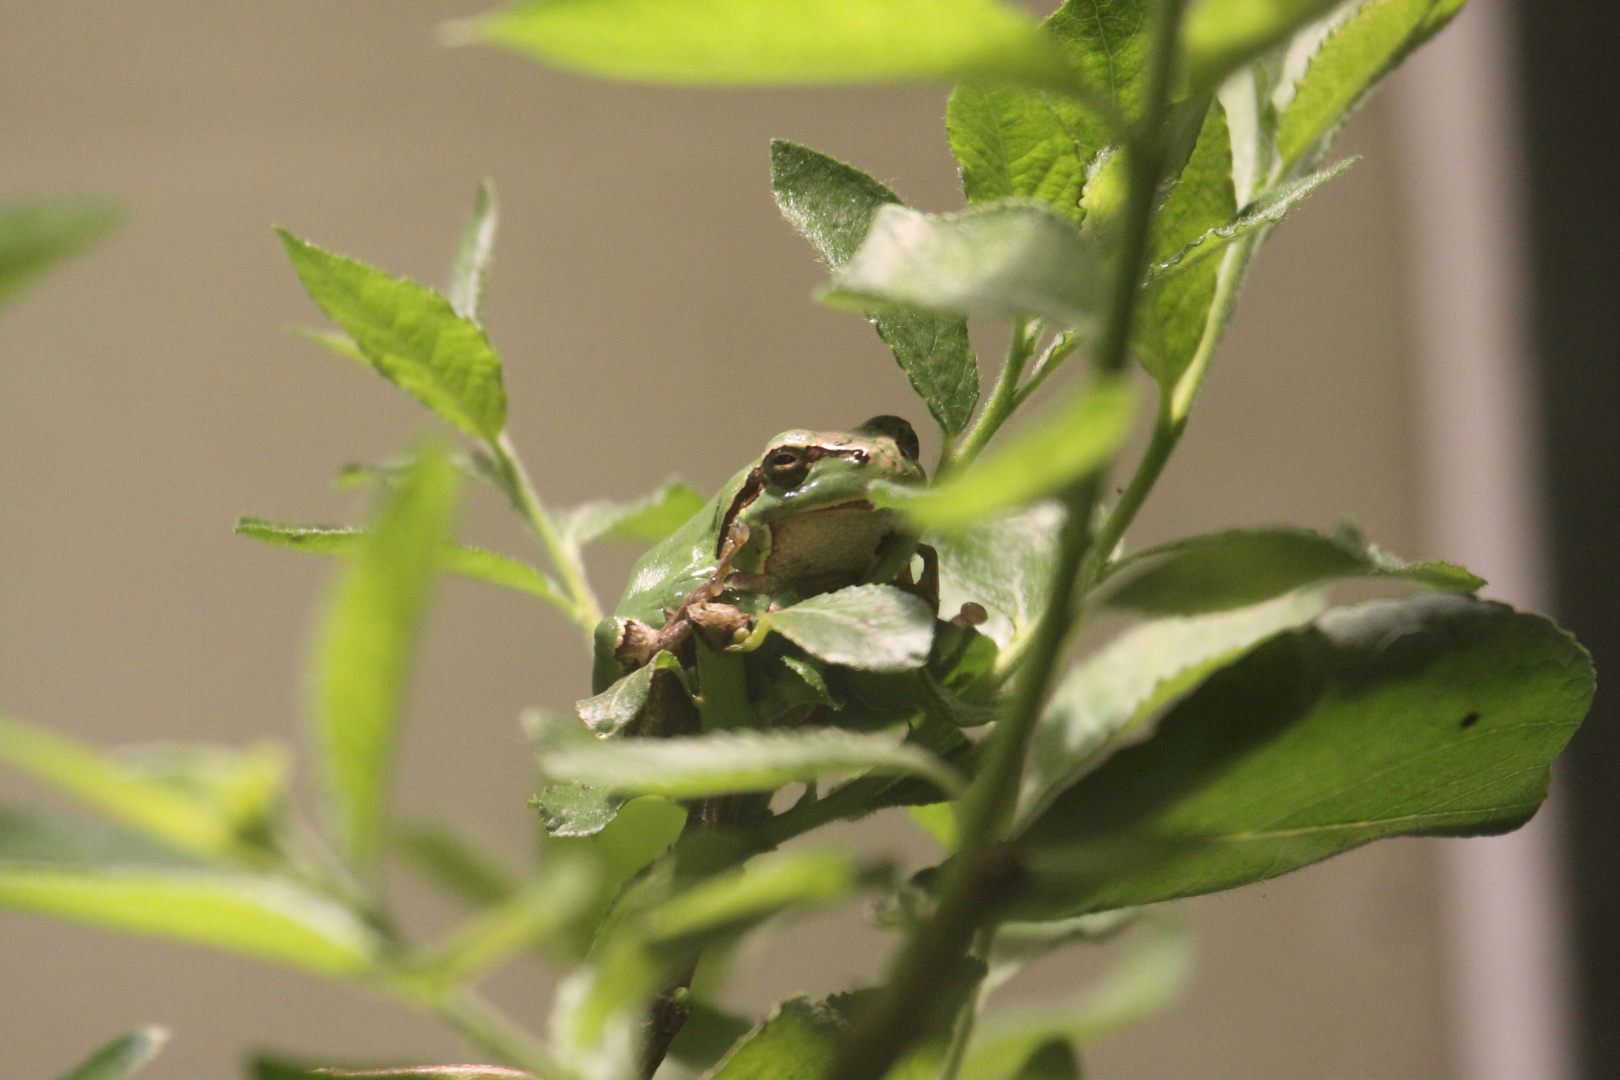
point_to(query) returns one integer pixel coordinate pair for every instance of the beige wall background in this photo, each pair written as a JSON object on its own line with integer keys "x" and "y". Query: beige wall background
{"x": 655, "y": 317}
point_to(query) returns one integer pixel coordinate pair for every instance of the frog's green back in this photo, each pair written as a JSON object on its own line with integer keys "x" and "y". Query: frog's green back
{"x": 679, "y": 563}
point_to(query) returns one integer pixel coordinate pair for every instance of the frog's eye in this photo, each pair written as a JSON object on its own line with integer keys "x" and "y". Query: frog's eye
{"x": 782, "y": 459}
{"x": 785, "y": 467}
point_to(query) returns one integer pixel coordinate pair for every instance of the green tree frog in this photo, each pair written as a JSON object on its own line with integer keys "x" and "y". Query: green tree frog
{"x": 794, "y": 523}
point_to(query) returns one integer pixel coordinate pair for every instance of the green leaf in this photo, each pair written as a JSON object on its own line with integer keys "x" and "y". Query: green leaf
{"x": 410, "y": 335}
{"x": 365, "y": 648}
{"x": 1072, "y": 442}
{"x": 1147, "y": 979}
{"x": 724, "y": 762}
{"x": 1019, "y": 944}
{"x": 1356, "y": 54}
{"x": 210, "y": 801}
{"x": 451, "y": 861}
{"x": 471, "y": 265}
{"x": 1224, "y": 570}
{"x": 1202, "y": 201}
{"x": 707, "y": 1036}
{"x": 1005, "y": 563}
{"x": 613, "y": 709}
{"x": 536, "y": 914}
{"x": 253, "y": 915}
{"x": 568, "y": 808}
{"x": 35, "y": 234}
{"x": 1014, "y": 142}
{"x": 1007, "y": 259}
{"x": 454, "y": 558}
{"x": 270, "y": 1069}
{"x": 1107, "y": 42}
{"x": 832, "y": 204}
{"x": 1219, "y": 36}
{"x": 870, "y": 627}
{"x": 1433, "y": 715}
{"x": 1265, "y": 211}
{"x": 29, "y": 838}
{"x": 1106, "y": 701}
{"x": 646, "y": 520}
{"x": 123, "y": 1056}
{"x": 1054, "y": 1059}
{"x": 758, "y": 42}
{"x": 798, "y": 1041}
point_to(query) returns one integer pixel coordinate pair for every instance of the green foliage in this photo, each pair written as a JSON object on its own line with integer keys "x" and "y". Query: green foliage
{"x": 36, "y": 234}
{"x": 1122, "y": 163}
{"x": 122, "y": 1057}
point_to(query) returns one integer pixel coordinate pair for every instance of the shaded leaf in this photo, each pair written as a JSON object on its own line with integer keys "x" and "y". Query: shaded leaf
{"x": 832, "y": 204}
{"x": 410, "y": 335}
{"x": 870, "y": 627}
{"x": 1075, "y": 440}
{"x": 1433, "y": 715}
{"x": 1218, "y": 36}
{"x": 37, "y": 233}
{"x": 724, "y": 762}
{"x": 1008, "y": 259}
{"x": 365, "y": 648}
{"x": 121, "y": 1057}
{"x": 1019, "y": 944}
{"x": 211, "y": 801}
{"x": 798, "y": 1041}
{"x": 1005, "y": 563}
{"x": 454, "y": 558}
{"x": 1219, "y": 571}
{"x": 1107, "y": 42}
{"x": 645, "y": 520}
{"x": 1015, "y": 142}
{"x": 453, "y": 862}
{"x": 1106, "y": 701}
{"x": 569, "y": 808}
{"x": 743, "y": 42}
{"x": 471, "y": 265}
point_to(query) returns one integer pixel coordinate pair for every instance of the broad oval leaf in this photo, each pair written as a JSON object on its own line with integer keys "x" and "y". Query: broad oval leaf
{"x": 1074, "y": 441}
{"x": 775, "y": 42}
{"x": 1009, "y": 259}
{"x": 1433, "y": 715}
{"x": 123, "y": 1056}
{"x": 871, "y": 627}
{"x": 1005, "y": 563}
{"x": 724, "y": 762}
{"x": 37, "y": 233}
{"x": 410, "y": 335}
{"x": 1224, "y": 570}
{"x": 832, "y": 204}
{"x": 1107, "y": 700}
{"x": 365, "y": 648}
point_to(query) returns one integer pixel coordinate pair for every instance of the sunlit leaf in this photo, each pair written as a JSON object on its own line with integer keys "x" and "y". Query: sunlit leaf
{"x": 724, "y": 762}
{"x": 1106, "y": 701}
{"x": 1008, "y": 259}
{"x": 471, "y": 265}
{"x": 1219, "y": 571}
{"x": 37, "y": 233}
{"x": 1073, "y": 441}
{"x": 122, "y": 1057}
{"x": 410, "y": 335}
{"x": 365, "y": 649}
{"x": 871, "y": 627}
{"x": 1433, "y": 715}
{"x": 1218, "y": 36}
{"x": 832, "y": 205}
{"x": 768, "y": 42}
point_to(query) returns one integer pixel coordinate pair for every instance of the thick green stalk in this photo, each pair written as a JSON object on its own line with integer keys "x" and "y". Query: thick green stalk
{"x": 586, "y": 611}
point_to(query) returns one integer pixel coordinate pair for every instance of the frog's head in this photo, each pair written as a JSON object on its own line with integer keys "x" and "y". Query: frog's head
{"x": 803, "y": 471}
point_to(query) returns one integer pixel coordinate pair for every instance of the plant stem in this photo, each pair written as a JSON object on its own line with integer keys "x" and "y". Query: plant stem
{"x": 1002, "y": 401}
{"x": 491, "y": 1031}
{"x": 1055, "y": 354}
{"x": 586, "y": 613}
{"x": 1166, "y": 433}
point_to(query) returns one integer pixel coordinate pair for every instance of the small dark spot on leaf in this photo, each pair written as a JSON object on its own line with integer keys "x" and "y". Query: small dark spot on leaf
{"x": 1470, "y": 720}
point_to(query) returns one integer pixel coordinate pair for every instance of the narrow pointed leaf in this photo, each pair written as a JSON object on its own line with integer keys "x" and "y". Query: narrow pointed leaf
{"x": 123, "y": 1056}
{"x": 410, "y": 335}
{"x": 471, "y": 265}
{"x": 35, "y": 234}
{"x": 1106, "y": 701}
{"x": 765, "y": 42}
{"x": 453, "y": 862}
{"x": 1009, "y": 259}
{"x": 871, "y": 627}
{"x": 725, "y": 762}
{"x": 1433, "y": 715}
{"x": 832, "y": 205}
{"x": 1074, "y": 441}
{"x": 454, "y": 558}
{"x": 1224, "y": 570}
{"x": 646, "y": 520}
{"x": 365, "y": 650}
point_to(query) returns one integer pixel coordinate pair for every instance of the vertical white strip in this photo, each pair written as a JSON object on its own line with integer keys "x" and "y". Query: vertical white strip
{"x": 1458, "y": 125}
